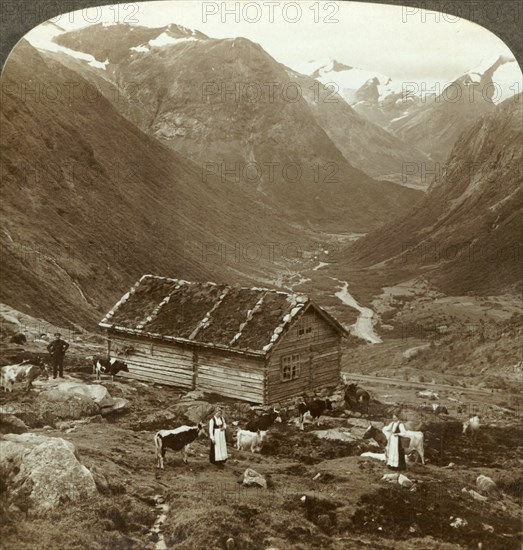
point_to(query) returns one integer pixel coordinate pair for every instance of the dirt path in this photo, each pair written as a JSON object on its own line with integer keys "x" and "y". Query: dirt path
{"x": 379, "y": 380}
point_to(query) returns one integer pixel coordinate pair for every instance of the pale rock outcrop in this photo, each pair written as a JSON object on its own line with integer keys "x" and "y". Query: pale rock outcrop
{"x": 251, "y": 478}
{"x": 41, "y": 472}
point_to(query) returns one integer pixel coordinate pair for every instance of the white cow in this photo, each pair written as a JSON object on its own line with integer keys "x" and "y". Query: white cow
{"x": 382, "y": 436}
{"x": 20, "y": 372}
{"x": 250, "y": 440}
{"x": 417, "y": 442}
{"x": 471, "y": 427}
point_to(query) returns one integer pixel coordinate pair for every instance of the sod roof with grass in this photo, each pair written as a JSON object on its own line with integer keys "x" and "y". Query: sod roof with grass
{"x": 209, "y": 314}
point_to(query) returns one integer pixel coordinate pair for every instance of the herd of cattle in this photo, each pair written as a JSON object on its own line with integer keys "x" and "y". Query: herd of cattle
{"x": 251, "y": 437}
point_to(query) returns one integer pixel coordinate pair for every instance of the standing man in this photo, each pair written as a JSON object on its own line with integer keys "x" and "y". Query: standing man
{"x": 57, "y": 349}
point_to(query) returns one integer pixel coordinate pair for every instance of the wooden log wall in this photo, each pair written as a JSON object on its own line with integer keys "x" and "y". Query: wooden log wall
{"x": 231, "y": 375}
{"x": 154, "y": 361}
{"x": 320, "y": 358}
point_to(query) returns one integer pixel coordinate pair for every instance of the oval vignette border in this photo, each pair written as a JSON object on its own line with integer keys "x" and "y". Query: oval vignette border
{"x": 14, "y": 26}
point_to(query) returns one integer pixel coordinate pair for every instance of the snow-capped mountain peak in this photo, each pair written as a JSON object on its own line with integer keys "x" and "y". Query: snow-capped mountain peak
{"x": 350, "y": 79}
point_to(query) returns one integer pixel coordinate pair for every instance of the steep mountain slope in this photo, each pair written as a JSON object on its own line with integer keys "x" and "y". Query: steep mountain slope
{"x": 229, "y": 106}
{"x": 365, "y": 145}
{"x": 90, "y": 203}
{"x": 437, "y": 124}
{"x": 465, "y": 235}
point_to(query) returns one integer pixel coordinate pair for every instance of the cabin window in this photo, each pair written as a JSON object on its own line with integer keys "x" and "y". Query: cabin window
{"x": 305, "y": 326}
{"x": 290, "y": 367}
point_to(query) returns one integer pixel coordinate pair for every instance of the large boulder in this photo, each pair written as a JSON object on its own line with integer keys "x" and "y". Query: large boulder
{"x": 10, "y": 424}
{"x": 359, "y": 425}
{"x": 119, "y": 404}
{"x": 74, "y": 400}
{"x": 41, "y": 472}
{"x": 336, "y": 434}
{"x": 97, "y": 392}
{"x": 66, "y": 405}
{"x": 487, "y": 486}
{"x": 195, "y": 411}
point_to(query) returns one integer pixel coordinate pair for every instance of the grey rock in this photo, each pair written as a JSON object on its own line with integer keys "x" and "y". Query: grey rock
{"x": 487, "y": 485}
{"x": 251, "y": 478}
{"x": 9, "y": 423}
{"x": 43, "y": 472}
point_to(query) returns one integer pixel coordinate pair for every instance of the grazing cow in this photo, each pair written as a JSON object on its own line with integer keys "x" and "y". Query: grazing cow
{"x": 177, "y": 439}
{"x": 357, "y": 399}
{"x": 18, "y": 338}
{"x": 264, "y": 421}
{"x": 438, "y": 408}
{"x": 20, "y": 372}
{"x": 416, "y": 440}
{"x": 249, "y": 440}
{"x": 471, "y": 427}
{"x": 102, "y": 365}
{"x": 315, "y": 408}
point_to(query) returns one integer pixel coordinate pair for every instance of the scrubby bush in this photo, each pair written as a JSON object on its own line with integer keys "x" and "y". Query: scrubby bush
{"x": 96, "y": 524}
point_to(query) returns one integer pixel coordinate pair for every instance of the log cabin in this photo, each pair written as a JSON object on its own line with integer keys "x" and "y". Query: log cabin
{"x": 253, "y": 344}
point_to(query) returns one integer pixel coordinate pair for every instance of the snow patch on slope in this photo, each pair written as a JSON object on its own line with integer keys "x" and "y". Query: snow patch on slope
{"x": 41, "y": 38}
{"x": 142, "y": 48}
{"x": 165, "y": 39}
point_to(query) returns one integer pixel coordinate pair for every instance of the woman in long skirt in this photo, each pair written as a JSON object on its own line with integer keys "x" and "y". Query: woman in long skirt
{"x": 395, "y": 453}
{"x": 218, "y": 451}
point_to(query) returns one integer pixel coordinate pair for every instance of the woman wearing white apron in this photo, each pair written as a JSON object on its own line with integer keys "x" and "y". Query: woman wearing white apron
{"x": 394, "y": 453}
{"x": 218, "y": 452}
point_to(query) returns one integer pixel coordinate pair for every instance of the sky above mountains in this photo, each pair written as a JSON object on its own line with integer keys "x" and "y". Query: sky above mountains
{"x": 404, "y": 43}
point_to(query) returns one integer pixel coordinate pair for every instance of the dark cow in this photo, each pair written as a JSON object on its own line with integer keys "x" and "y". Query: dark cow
{"x": 102, "y": 365}
{"x": 263, "y": 422}
{"x": 18, "y": 338}
{"x": 357, "y": 399}
{"x": 177, "y": 439}
{"x": 316, "y": 408}
{"x": 374, "y": 433}
{"x": 438, "y": 408}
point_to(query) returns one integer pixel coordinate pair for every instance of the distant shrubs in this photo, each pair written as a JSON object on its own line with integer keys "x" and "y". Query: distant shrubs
{"x": 497, "y": 382}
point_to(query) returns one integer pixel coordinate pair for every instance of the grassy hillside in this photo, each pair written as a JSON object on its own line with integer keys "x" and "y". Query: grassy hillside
{"x": 90, "y": 202}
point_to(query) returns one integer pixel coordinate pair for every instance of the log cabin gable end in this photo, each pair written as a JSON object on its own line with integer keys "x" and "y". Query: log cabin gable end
{"x": 304, "y": 329}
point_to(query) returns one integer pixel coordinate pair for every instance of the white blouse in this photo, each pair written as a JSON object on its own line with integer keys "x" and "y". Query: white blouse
{"x": 216, "y": 422}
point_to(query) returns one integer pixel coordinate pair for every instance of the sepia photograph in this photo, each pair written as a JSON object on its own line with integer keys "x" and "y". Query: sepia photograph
{"x": 261, "y": 278}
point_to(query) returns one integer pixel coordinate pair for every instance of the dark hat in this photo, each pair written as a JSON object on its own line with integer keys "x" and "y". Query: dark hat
{"x": 57, "y": 334}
